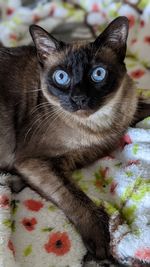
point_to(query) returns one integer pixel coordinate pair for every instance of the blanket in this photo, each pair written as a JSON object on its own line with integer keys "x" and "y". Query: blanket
{"x": 33, "y": 232}
{"x": 30, "y": 227}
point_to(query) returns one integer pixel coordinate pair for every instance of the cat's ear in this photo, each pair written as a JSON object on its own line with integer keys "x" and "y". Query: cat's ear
{"x": 115, "y": 36}
{"x": 44, "y": 42}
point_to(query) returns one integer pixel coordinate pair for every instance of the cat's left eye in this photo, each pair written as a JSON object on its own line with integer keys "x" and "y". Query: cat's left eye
{"x": 61, "y": 77}
{"x": 98, "y": 74}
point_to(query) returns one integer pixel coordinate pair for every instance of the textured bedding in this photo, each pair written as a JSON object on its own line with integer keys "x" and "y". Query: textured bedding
{"x": 33, "y": 232}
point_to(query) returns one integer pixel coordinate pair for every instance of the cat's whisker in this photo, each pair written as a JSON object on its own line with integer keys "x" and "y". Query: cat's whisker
{"x": 61, "y": 113}
{"x": 48, "y": 118}
{"x": 51, "y": 123}
{"x": 32, "y": 125}
{"x": 39, "y": 118}
{"x": 35, "y": 90}
{"x": 39, "y": 106}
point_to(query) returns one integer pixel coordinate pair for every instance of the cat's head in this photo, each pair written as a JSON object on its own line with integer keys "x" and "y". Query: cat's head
{"x": 81, "y": 77}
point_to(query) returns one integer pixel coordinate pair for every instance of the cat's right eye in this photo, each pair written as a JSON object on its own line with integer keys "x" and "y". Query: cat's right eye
{"x": 61, "y": 78}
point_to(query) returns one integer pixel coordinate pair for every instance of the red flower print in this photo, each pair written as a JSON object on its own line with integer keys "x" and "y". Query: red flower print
{"x": 11, "y": 247}
{"x": 147, "y": 39}
{"x": 125, "y": 140}
{"x": 131, "y": 19}
{"x": 9, "y": 11}
{"x": 142, "y": 23}
{"x": 52, "y": 10}
{"x": 133, "y": 41}
{"x": 33, "y": 205}
{"x": 29, "y": 224}
{"x": 113, "y": 188}
{"x": 104, "y": 172}
{"x": 143, "y": 254}
{"x": 58, "y": 244}
{"x": 95, "y": 7}
{"x": 99, "y": 184}
{"x": 136, "y": 74}
{"x": 130, "y": 162}
{"x": 4, "y": 201}
{"x": 36, "y": 18}
{"x": 13, "y": 36}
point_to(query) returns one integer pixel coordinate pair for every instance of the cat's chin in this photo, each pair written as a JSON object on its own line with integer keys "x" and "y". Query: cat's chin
{"x": 83, "y": 113}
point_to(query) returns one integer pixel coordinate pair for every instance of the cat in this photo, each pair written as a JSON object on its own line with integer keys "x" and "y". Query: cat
{"x": 62, "y": 107}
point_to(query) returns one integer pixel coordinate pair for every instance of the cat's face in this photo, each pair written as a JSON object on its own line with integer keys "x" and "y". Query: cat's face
{"x": 82, "y": 77}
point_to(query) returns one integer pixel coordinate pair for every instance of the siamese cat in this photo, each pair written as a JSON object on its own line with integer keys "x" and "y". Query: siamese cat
{"x": 62, "y": 107}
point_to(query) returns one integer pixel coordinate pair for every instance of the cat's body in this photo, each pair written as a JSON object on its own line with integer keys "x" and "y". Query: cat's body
{"x": 45, "y": 139}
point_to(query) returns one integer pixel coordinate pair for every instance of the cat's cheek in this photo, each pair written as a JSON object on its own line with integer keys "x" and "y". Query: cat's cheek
{"x": 51, "y": 98}
{"x": 53, "y": 91}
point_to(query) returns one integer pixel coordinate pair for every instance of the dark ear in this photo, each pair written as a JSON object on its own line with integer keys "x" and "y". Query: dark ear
{"x": 44, "y": 42}
{"x": 115, "y": 36}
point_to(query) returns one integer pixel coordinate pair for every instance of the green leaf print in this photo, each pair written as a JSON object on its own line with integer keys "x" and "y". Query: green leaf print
{"x": 143, "y": 3}
{"x": 52, "y": 208}
{"x": 142, "y": 190}
{"x": 17, "y": 20}
{"x": 119, "y": 164}
{"x": 77, "y": 175}
{"x": 147, "y": 120}
{"x": 131, "y": 64}
{"x": 102, "y": 181}
{"x": 130, "y": 190}
{"x": 13, "y": 226}
{"x": 10, "y": 224}
{"x": 97, "y": 201}
{"x": 136, "y": 192}
{"x": 27, "y": 251}
{"x": 14, "y": 206}
{"x": 135, "y": 149}
{"x": 47, "y": 229}
{"x": 7, "y": 223}
{"x": 110, "y": 209}
{"x": 84, "y": 186}
{"x": 113, "y": 13}
{"x": 145, "y": 64}
{"x": 129, "y": 213}
{"x": 129, "y": 173}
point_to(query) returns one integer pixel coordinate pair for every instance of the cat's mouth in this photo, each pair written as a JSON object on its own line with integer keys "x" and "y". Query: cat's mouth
{"x": 79, "y": 111}
{"x": 82, "y": 112}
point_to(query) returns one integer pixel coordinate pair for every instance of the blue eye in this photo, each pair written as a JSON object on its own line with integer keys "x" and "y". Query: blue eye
{"x": 61, "y": 77}
{"x": 98, "y": 74}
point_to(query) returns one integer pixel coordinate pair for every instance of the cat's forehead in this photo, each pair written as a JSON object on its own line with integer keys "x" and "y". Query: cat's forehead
{"x": 82, "y": 54}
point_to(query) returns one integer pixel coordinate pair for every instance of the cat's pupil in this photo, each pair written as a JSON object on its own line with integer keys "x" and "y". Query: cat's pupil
{"x": 61, "y": 76}
{"x": 98, "y": 73}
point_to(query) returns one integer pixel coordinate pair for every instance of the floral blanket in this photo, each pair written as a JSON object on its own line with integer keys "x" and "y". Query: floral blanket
{"x": 33, "y": 232}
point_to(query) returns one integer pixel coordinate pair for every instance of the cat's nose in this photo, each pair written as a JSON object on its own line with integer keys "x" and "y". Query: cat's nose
{"x": 80, "y": 100}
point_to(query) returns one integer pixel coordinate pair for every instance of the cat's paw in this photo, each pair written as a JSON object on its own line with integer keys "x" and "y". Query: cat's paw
{"x": 4, "y": 179}
{"x": 96, "y": 236}
{"x": 14, "y": 182}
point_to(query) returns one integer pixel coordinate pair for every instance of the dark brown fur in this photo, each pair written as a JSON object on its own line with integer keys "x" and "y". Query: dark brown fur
{"x": 44, "y": 143}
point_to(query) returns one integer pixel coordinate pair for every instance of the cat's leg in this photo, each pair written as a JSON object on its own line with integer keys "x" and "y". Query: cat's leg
{"x": 90, "y": 221}
{"x": 7, "y": 137}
